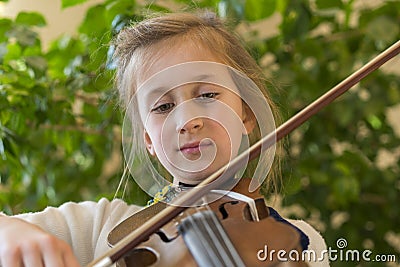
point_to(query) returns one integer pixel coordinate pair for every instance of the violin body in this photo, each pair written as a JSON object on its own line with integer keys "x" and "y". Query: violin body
{"x": 191, "y": 239}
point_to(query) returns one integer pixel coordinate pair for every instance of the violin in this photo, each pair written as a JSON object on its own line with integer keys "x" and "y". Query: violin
{"x": 163, "y": 235}
{"x": 210, "y": 237}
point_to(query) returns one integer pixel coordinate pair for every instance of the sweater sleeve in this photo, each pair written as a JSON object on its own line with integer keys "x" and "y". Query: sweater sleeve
{"x": 84, "y": 225}
{"x": 316, "y": 255}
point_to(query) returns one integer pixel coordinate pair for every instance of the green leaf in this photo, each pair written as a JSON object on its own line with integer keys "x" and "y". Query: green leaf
{"x": 259, "y": 9}
{"x": 32, "y": 51}
{"x": 325, "y": 4}
{"x": 383, "y": 29}
{"x": 346, "y": 190}
{"x": 119, "y": 7}
{"x": 233, "y": 9}
{"x": 37, "y": 62}
{"x": 69, "y": 3}
{"x": 95, "y": 22}
{"x": 2, "y": 151}
{"x": 281, "y": 6}
{"x": 5, "y": 25}
{"x": 13, "y": 52}
{"x": 292, "y": 185}
{"x": 375, "y": 122}
{"x": 30, "y": 19}
{"x": 24, "y": 35}
{"x": 296, "y": 21}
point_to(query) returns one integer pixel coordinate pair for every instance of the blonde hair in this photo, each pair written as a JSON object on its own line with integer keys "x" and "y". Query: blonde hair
{"x": 135, "y": 52}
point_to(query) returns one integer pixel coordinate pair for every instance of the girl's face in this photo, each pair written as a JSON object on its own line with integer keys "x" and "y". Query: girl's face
{"x": 193, "y": 128}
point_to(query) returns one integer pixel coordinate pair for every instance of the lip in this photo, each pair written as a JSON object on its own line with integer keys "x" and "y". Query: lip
{"x": 193, "y": 147}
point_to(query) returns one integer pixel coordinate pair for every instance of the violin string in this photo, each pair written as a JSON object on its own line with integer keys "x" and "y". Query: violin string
{"x": 228, "y": 255}
{"x": 211, "y": 254}
{"x": 237, "y": 261}
{"x": 215, "y": 241}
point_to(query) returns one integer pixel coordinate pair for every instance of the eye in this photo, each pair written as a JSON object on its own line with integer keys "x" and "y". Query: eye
{"x": 163, "y": 108}
{"x": 208, "y": 96}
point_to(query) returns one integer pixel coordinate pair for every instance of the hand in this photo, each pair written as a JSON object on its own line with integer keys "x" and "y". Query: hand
{"x": 25, "y": 244}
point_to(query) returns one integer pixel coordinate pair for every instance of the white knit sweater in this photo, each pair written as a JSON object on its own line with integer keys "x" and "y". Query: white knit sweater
{"x": 86, "y": 225}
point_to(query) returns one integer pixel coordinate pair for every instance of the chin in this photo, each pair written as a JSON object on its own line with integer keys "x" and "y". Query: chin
{"x": 193, "y": 178}
{"x": 191, "y": 181}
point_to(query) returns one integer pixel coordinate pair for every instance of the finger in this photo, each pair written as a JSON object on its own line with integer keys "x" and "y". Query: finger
{"x": 52, "y": 259}
{"x": 70, "y": 259}
{"x": 51, "y": 250}
{"x": 59, "y": 254}
{"x": 32, "y": 256}
{"x": 11, "y": 258}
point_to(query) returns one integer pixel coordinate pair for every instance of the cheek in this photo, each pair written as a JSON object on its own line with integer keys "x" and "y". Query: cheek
{"x": 228, "y": 136}
{"x": 153, "y": 132}
{"x": 162, "y": 137}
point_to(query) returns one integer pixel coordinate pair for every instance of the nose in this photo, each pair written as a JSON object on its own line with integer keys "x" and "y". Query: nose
{"x": 191, "y": 126}
{"x": 188, "y": 115}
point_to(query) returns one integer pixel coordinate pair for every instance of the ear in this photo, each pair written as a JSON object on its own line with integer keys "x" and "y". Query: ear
{"x": 148, "y": 143}
{"x": 249, "y": 119}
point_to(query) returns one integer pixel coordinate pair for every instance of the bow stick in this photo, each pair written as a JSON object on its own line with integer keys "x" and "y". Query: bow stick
{"x": 185, "y": 200}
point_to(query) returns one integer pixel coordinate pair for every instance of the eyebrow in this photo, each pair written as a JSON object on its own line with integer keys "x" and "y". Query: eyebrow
{"x": 159, "y": 91}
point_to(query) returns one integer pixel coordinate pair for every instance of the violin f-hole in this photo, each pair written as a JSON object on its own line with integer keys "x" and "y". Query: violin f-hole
{"x": 164, "y": 237}
{"x": 222, "y": 209}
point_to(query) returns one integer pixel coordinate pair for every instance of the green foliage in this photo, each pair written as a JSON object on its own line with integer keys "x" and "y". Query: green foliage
{"x": 69, "y": 3}
{"x": 30, "y": 19}
{"x": 59, "y": 121}
{"x": 60, "y": 128}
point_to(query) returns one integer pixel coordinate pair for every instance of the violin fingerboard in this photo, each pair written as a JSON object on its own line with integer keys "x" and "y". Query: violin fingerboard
{"x": 208, "y": 242}
{"x": 133, "y": 222}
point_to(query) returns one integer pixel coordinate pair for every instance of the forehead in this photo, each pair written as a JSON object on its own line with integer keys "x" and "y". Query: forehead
{"x": 170, "y": 52}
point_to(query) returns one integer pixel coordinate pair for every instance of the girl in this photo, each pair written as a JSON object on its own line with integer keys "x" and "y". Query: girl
{"x": 173, "y": 81}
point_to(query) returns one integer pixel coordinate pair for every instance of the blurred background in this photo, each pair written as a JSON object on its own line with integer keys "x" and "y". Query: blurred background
{"x": 60, "y": 125}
